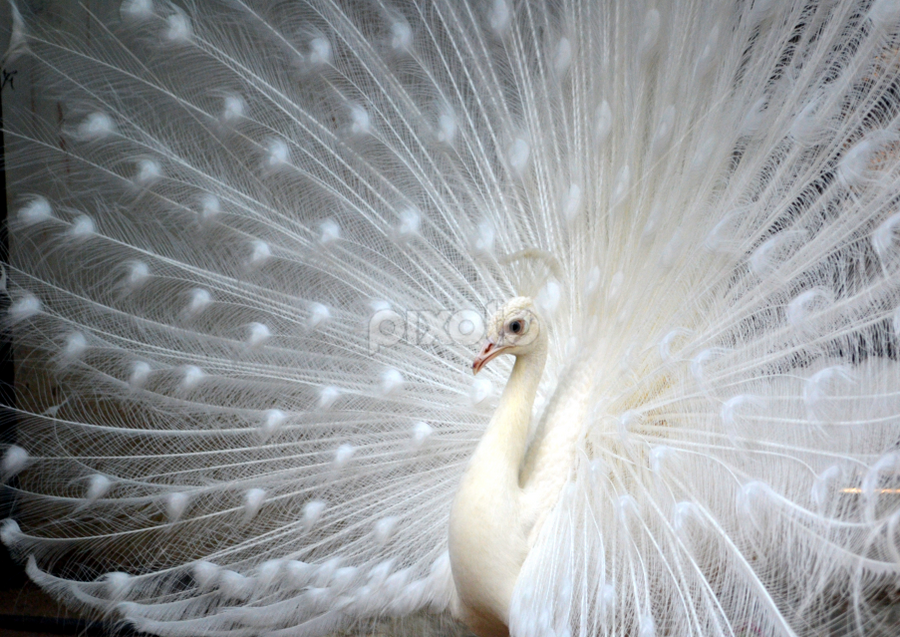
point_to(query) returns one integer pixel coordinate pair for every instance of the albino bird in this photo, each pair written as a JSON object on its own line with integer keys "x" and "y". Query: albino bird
{"x": 485, "y": 558}
{"x": 256, "y": 245}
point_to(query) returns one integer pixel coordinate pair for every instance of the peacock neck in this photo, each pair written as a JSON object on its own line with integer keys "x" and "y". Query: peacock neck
{"x": 488, "y": 538}
{"x": 501, "y": 450}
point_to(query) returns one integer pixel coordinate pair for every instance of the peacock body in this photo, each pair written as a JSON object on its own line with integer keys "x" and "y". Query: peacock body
{"x": 255, "y": 245}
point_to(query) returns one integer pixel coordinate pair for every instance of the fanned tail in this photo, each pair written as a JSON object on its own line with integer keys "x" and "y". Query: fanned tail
{"x": 255, "y": 245}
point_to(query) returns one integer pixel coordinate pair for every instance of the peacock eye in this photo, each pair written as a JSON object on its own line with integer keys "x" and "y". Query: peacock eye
{"x": 515, "y": 327}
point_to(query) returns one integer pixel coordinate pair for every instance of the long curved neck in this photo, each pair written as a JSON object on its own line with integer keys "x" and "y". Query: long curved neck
{"x": 502, "y": 448}
{"x": 488, "y": 538}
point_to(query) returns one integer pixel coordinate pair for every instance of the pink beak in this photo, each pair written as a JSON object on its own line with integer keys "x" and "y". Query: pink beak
{"x": 488, "y": 353}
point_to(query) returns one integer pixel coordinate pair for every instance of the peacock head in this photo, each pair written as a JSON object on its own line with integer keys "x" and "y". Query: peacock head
{"x": 514, "y": 329}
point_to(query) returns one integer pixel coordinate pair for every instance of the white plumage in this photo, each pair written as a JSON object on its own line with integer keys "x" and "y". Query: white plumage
{"x": 255, "y": 246}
